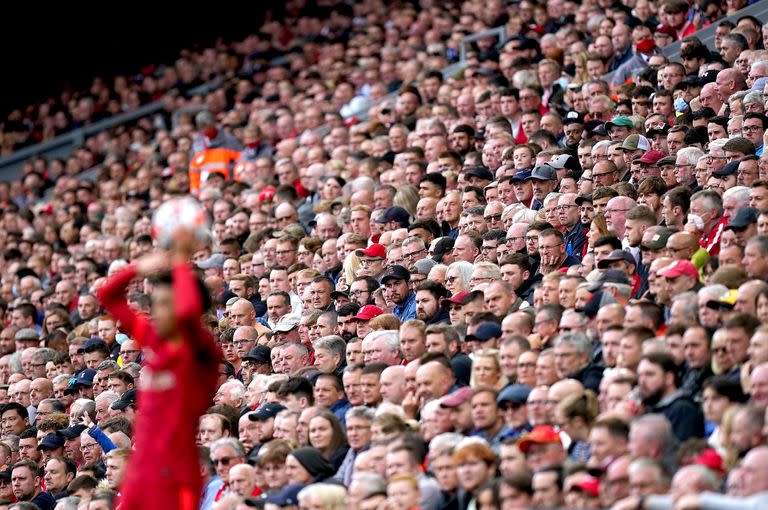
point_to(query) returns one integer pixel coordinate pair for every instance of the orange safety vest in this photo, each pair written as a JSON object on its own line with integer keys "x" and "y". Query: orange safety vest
{"x": 209, "y": 161}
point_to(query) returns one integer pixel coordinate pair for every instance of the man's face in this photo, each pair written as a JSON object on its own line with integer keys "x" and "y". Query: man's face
{"x": 427, "y": 305}
{"x": 651, "y": 380}
{"x": 395, "y": 291}
{"x": 115, "y": 472}
{"x": 223, "y": 459}
{"x": 56, "y": 477}
{"x": 91, "y": 450}
{"x": 13, "y": 423}
{"x": 277, "y": 307}
{"x": 25, "y": 484}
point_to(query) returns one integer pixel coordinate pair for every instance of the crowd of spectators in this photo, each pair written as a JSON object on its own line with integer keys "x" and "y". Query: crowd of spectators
{"x": 538, "y": 282}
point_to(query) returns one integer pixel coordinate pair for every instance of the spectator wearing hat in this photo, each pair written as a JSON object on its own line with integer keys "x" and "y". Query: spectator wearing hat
{"x": 394, "y": 217}
{"x": 397, "y": 292}
{"x": 543, "y": 180}
{"x": 372, "y": 262}
{"x": 543, "y": 447}
{"x": 512, "y": 402}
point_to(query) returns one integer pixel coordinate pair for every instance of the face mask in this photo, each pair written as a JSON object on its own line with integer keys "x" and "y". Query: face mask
{"x": 680, "y": 105}
{"x": 696, "y": 220}
{"x": 646, "y": 46}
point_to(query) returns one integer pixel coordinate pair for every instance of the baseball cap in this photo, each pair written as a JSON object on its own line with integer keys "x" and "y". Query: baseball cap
{"x": 287, "y": 322}
{"x": 659, "y": 129}
{"x": 424, "y": 266}
{"x": 288, "y": 495}
{"x": 51, "y": 441}
{"x": 367, "y": 313}
{"x": 609, "y": 276}
{"x": 634, "y": 142}
{"x": 72, "y": 432}
{"x": 541, "y": 434}
{"x": 85, "y": 377}
{"x": 678, "y": 268}
{"x": 259, "y": 354}
{"x": 564, "y": 161}
{"x": 709, "y": 458}
{"x": 485, "y": 331}
{"x": 658, "y": 241}
{"x": 729, "y": 169}
{"x": 744, "y": 217}
{"x": 589, "y": 485}
{"x": 573, "y": 118}
{"x": 620, "y": 121}
{"x": 543, "y": 172}
{"x": 666, "y": 29}
{"x": 521, "y": 175}
{"x": 215, "y": 261}
{"x": 394, "y": 213}
{"x": 266, "y": 411}
{"x": 126, "y": 399}
{"x": 583, "y": 198}
{"x": 615, "y": 256}
{"x": 456, "y": 398}
{"x": 396, "y": 272}
{"x": 375, "y": 250}
{"x": 515, "y": 393}
{"x": 457, "y": 298}
{"x": 651, "y": 157}
{"x": 92, "y": 344}
{"x": 336, "y": 294}
{"x": 480, "y": 172}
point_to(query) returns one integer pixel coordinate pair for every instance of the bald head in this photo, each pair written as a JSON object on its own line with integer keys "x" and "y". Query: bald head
{"x": 682, "y": 245}
{"x": 243, "y": 313}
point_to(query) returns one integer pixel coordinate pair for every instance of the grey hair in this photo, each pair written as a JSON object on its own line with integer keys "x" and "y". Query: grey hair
{"x": 360, "y": 412}
{"x": 657, "y": 427}
{"x": 690, "y": 302}
{"x": 391, "y": 337}
{"x": 61, "y": 378}
{"x": 68, "y": 503}
{"x": 692, "y": 155}
{"x": 57, "y": 405}
{"x": 489, "y": 267}
{"x": 578, "y": 341}
{"x": 233, "y": 443}
{"x": 333, "y": 344}
{"x": 465, "y": 270}
{"x": 373, "y": 483}
{"x": 582, "y": 318}
{"x": 754, "y": 96}
{"x": 414, "y": 240}
{"x": 44, "y": 354}
{"x": 740, "y": 193}
{"x": 109, "y": 396}
{"x": 445, "y": 442}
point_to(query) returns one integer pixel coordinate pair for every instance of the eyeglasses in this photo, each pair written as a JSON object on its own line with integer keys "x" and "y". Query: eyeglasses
{"x": 711, "y": 159}
{"x": 595, "y": 176}
{"x": 495, "y": 217}
{"x": 753, "y": 129}
{"x": 86, "y": 447}
{"x": 414, "y": 253}
{"x": 356, "y": 293}
{"x": 565, "y": 207}
{"x": 224, "y": 461}
{"x": 369, "y": 262}
{"x": 547, "y": 248}
{"x": 284, "y": 252}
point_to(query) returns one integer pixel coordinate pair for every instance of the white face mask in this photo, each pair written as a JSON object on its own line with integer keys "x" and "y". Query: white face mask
{"x": 696, "y": 220}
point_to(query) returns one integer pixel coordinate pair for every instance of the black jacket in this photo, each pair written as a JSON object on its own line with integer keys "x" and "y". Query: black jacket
{"x": 685, "y": 416}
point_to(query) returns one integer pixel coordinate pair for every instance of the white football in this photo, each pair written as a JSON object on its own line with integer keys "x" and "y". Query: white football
{"x": 175, "y": 214}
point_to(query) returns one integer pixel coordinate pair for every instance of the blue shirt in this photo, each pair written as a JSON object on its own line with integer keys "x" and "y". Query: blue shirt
{"x": 407, "y": 310}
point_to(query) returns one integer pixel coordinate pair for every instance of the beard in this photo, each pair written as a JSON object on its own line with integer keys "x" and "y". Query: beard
{"x": 654, "y": 398}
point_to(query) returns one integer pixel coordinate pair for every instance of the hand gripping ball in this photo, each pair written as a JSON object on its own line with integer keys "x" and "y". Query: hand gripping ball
{"x": 175, "y": 214}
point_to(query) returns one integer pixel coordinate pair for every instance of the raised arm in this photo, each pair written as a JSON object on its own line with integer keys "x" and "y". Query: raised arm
{"x": 112, "y": 297}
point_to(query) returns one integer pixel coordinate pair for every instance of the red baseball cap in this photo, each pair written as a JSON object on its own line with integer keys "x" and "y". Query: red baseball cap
{"x": 711, "y": 459}
{"x": 367, "y": 313}
{"x": 651, "y": 157}
{"x": 456, "y": 398}
{"x": 457, "y": 298}
{"x": 374, "y": 250}
{"x": 589, "y": 485}
{"x": 267, "y": 194}
{"x": 678, "y": 268}
{"x": 541, "y": 434}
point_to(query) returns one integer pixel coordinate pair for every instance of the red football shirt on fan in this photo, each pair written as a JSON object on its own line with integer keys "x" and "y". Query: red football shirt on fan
{"x": 178, "y": 386}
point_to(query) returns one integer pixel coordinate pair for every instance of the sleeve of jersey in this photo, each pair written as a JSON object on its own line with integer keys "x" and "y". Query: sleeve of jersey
{"x": 189, "y": 309}
{"x": 112, "y": 297}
